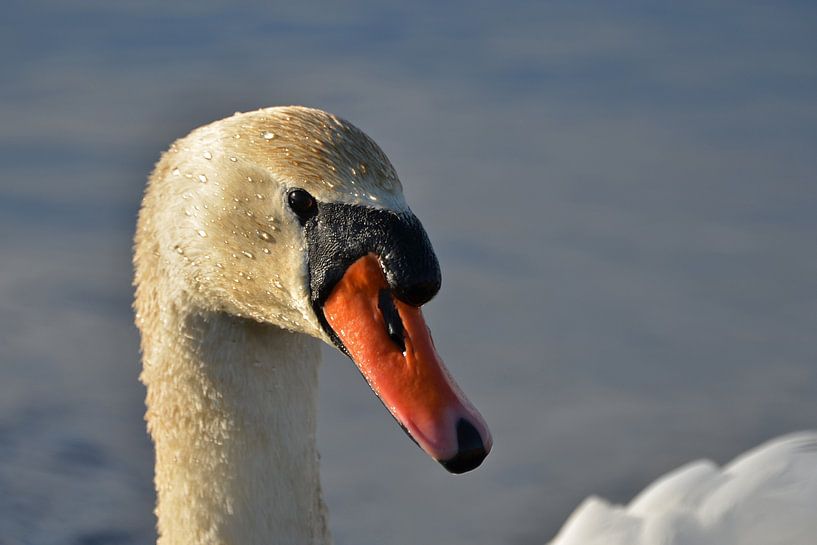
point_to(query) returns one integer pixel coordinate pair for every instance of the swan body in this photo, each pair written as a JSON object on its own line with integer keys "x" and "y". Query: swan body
{"x": 767, "y": 496}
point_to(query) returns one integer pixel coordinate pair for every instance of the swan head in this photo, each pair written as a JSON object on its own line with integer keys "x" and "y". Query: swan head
{"x": 294, "y": 217}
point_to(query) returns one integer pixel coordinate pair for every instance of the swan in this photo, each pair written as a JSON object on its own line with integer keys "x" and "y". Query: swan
{"x": 767, "y": 496}
{"x": 261, "y": 236}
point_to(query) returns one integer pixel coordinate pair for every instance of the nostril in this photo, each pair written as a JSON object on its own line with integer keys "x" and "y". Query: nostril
{"x": 394, "y": 325}
{"x": 471, "y": 449}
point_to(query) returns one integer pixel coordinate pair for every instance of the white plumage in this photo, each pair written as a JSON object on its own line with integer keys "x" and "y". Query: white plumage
{"x": 767, "y": 496}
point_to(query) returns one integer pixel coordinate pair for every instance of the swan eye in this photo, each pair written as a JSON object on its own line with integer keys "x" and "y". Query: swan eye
{"x": 302, "y": 203}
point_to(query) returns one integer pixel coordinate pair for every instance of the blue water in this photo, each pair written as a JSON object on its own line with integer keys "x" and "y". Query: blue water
{"x": 622, "y": 200}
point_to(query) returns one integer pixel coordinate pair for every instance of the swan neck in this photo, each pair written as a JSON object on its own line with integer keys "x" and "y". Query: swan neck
{"x": 231, "y": 407}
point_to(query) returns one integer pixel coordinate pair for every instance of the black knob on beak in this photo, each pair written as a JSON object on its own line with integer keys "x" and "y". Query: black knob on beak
{"x": 340, "y": 234}
{"x": 419, "y": 292}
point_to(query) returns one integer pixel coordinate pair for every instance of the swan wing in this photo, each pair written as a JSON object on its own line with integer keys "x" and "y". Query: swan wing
{"x": 767, "y": 496}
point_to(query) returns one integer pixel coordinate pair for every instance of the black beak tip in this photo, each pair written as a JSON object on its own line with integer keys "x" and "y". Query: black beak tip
{"x": 471, "y": 451}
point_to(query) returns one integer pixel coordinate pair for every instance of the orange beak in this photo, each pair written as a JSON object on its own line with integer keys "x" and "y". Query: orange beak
{"x": 392, "y": 346}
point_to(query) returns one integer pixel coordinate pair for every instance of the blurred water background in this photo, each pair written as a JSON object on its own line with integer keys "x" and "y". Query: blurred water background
{"x": 623, "y": 198}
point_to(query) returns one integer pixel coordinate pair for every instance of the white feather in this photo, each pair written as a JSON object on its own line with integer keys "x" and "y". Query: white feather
{"x": 767, "y": 496}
